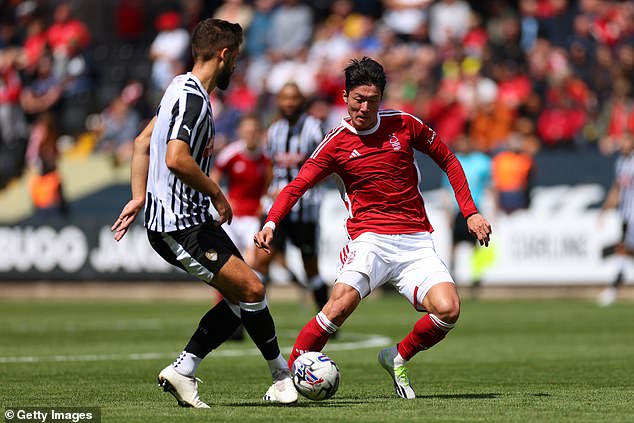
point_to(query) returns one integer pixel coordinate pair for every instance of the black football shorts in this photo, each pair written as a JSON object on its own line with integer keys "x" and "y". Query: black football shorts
{"x": 200, "y": 250}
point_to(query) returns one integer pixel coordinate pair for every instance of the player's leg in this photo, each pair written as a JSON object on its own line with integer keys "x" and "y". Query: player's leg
{"x": 306, "y": 237}
{"x": 361, "y": 270}
{"x": 623, "y": 256}
{"x": 444, "y": 306}
{"x": 179, "y": 377}
{"x": 208, "y": 253}
{"x": 425, "y": 281}
{"x": 238, "y": 282}
{"x": 316, "y": 284}
{"x": 343, "y": 300}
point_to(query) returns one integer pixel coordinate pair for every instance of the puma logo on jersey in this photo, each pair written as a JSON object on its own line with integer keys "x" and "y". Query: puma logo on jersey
{"x": 189, "y": 131}
{"x": 354, "y": 153}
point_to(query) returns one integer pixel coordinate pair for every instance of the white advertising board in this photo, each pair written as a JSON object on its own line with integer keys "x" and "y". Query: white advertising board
{"x": 559, "y": 240}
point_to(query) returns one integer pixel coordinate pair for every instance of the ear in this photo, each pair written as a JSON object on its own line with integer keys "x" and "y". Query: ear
{"x": 344, "y": 94}
{"x": 224, "y": 54}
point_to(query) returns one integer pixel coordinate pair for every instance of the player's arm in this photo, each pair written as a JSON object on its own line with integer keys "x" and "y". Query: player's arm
{"x": 180, "y": 162}
{"x": 441, "y": 154}
{"x": 139, "y": 167}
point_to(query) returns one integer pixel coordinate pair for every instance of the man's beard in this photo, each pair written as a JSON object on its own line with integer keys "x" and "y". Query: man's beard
{"x": 291, "y": 115}
{"x": 223, "y": 78}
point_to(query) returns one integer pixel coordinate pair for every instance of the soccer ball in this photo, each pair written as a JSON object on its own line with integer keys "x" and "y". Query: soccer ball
{"x": 315, "y": 376}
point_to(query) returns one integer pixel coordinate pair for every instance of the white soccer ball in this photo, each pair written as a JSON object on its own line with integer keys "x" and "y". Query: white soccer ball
{"x": 315, "y": 376}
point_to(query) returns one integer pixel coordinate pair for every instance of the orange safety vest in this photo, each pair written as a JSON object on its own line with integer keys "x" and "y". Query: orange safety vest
{"x": 511, "y": 170}
{"x": 46, "y": 190}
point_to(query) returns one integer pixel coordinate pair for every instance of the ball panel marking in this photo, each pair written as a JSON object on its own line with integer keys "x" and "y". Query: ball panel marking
{"x": 315, "y": 376}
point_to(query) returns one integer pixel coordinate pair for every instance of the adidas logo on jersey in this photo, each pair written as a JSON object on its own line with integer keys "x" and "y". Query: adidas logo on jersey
{"x": 354, "y": 153}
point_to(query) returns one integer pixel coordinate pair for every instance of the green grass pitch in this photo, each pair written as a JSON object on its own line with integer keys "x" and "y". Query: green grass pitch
{"x": 506, "y": 361}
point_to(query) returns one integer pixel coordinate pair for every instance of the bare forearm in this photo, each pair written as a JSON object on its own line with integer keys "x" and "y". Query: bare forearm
{"x": 140, "y": 163}
{"x": 139, "y": 171}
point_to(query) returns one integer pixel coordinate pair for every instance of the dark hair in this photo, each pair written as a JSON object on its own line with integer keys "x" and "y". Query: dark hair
{"x": 364, "y": 72}
{"x": 250, "y": 116}
{"x": 212, "y": 35}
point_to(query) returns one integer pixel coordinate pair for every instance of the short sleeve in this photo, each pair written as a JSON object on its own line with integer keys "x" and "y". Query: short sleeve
{"x": 186, "y": 113}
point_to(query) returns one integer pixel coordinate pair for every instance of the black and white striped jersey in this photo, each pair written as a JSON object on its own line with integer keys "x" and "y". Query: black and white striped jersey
{"x": 184, "y": 114}
{"x": 288, "y": 148}
{"x": 625, "y": 180}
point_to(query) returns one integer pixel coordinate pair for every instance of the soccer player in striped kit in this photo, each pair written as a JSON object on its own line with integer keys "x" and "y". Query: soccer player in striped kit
{"x": 170, "y": 177}
{"x": 290, "y": 142}
{"x": 621, "y": 194}
{"x": 372, "y": 152}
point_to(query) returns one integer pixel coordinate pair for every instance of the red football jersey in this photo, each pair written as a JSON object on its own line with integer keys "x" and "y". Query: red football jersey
{"x": 246, "y": 175}
{"x": 379, "y": 173}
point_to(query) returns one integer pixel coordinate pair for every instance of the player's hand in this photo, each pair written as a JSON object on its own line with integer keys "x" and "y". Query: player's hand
{"x": 480, "y": 228}
{"x": 263, "y": 239}
{"x": 125, "y": 219}
{"x": 224, "y": 209}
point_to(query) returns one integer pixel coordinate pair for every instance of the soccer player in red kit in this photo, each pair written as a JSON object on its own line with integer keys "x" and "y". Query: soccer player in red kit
{"x": 248, "y": 172}
{"x": 372, "y": 152}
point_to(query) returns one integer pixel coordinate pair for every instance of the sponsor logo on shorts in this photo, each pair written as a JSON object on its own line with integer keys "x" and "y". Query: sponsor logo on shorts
{"x": 211, "y": 255}
{"x": 350, "y": 257}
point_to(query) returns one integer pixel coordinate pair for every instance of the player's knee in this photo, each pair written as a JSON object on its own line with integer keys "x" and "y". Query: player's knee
{"x": 447, "y": 310}
{"x": 253, "y": 290}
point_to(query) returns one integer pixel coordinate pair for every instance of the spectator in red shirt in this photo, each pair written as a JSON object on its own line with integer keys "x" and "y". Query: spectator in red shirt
{"x": 13, "y": 130}
{"x": 67, "y": 36}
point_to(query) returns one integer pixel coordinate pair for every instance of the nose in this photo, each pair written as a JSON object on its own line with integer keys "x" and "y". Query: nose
{"x": 364, "y": 106}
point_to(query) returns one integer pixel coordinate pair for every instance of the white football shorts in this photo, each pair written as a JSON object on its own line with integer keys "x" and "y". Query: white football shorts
{"x": 241, "y": 231}
{"x": 408, "y": 261}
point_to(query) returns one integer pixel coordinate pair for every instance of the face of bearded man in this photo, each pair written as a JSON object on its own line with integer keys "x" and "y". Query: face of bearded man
{"x": 222, "y": 82}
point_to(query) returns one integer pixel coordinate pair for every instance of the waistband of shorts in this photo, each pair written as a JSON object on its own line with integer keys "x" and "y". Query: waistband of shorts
{"x": 416, "y": 235}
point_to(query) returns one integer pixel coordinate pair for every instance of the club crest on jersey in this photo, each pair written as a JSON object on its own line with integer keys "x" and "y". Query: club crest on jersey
{"x": 394, "y": 142}
{"x": 211, "y": 255}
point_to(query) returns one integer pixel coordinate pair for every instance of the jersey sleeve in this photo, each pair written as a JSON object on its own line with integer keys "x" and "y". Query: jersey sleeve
{"x": 427, "y": 140}
{"x": 316, "y": 168}
{"x": 185, "y": 116}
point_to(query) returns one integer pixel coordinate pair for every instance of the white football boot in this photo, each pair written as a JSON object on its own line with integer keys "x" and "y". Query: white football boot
{"x": 607, "y": 297}
{"x": 402, "y": 385}
{"x": 282, "y": 390}
{"x": 184, "y": 388}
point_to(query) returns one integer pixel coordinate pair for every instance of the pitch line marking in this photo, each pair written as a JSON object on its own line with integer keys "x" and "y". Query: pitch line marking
{"x": 372, "y": 341}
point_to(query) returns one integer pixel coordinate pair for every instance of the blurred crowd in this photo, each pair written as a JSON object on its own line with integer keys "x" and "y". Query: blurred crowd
{"x": 508, "y": 75}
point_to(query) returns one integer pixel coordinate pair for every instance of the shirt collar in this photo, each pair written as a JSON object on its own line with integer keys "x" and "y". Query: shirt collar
{"x": 200, "y": 84}
{"x": 345, "y": 122}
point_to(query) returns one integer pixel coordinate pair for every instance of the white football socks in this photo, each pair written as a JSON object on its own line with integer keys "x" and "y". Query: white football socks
{"x": 186, "y": 364}
{"x": 277, "y": 364}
